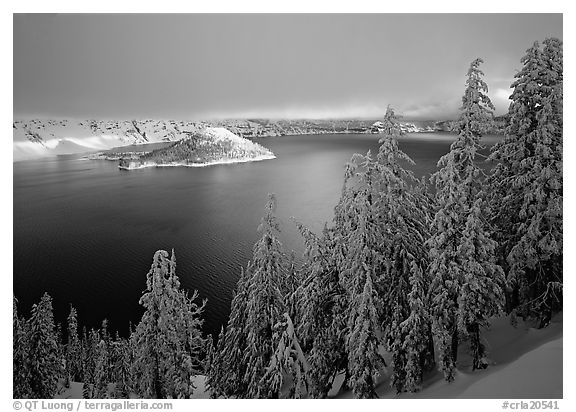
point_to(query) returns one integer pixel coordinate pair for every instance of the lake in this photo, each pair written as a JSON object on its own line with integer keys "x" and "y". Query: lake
{"x": 86, "y": 232}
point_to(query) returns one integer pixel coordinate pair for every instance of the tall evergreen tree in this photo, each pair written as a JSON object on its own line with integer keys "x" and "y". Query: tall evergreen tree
{"x": 363, "y": 343}
{"x": 265, "y": 306}
{"x": 20, "y": 355}
{"x": 362, "y": 262}
{"x": 90, "y": 341}
{"x": 404, "y": 219}
{"x": 168, "y": 339}
{"x": 101, "y": 379}
{"x": 247, "y": 345}
{"x": 227, "y": 368}
{"x": 44, "y": 362}
{"x": 321, "y": 309}
{"x": 527, "y": 184}
{"x": 121, "y": 359}
{"x": 73, "y": 348}
{"x": 466, "y": 282}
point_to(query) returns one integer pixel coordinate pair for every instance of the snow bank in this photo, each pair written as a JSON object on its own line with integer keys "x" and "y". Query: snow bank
{"x": 525, "y": 362}
{"x": 537, "y": 374}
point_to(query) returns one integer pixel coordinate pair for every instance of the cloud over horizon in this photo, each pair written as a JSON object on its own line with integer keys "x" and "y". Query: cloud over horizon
{"x": 195, "y": 66}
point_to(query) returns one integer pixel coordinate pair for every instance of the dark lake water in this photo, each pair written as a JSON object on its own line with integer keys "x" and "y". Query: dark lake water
{"x": 85, "y": 231}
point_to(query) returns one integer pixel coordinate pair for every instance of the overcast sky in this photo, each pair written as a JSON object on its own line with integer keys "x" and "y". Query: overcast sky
{"x": 276, "y": 66}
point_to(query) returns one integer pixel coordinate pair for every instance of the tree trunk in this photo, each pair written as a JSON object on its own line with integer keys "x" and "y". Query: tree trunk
{"x": 476, "y": 347}
{"x": 455, "y": 345}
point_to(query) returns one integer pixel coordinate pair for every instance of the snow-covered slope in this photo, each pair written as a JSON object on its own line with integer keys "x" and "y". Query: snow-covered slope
{"x": 526, "y": 363}
{"x": 537, "y": 374}
{"x": 39, "y": 138}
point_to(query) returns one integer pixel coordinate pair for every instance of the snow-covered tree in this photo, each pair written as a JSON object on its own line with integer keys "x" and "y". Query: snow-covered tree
{"x": 121, "y": 358}
{"x": 417, "y": 333}
{"x": 321, "y": 308}
{"x": 20, "y": 357}
{"x": 363, "y": 342}
{"x": 466, "y": 282}
{"x": 73, "y": 348}
{"x": 403, "y": 213}
{"x": 247, "y": 345}
{"x": 287, "y": 361}
{"x": 167, "y": 341}
{"x": 265, "y": 307}
{"x": 88, "y": 361}
{"x": 361, "y": 264}
{"x": 527, "y": 184}
{"x": 44, "y": 363}
{"x": 225, "y": 378}
{"x": 101, "y": 380}
{"x": 90, "y": 341}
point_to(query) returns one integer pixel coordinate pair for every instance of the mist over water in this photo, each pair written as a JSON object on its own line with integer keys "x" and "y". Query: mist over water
{"x": 86, "y": 232}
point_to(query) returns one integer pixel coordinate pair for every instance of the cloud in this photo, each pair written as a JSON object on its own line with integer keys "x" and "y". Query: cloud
{"x": 431, "y": 111}
{"x": 306, "y": 111}
{"x": 500, "y": 99}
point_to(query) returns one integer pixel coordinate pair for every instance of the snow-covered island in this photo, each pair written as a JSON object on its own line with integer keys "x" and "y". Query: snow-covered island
{"x": 210, "y": 146}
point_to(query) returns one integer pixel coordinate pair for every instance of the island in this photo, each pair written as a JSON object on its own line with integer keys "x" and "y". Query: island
{"x": 209, "y": 146}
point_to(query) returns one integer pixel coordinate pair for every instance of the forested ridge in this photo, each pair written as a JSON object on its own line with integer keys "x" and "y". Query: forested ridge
{"x": 410, "y": 268}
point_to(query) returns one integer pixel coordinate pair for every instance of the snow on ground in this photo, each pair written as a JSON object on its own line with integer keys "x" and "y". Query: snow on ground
{"x": 537, "y": 374}
{"x": 526, "y": 363}
{"x": 24, "y": 150}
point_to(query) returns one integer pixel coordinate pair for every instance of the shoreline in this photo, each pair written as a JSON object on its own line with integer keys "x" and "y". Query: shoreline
{"x": 216, "y": 162}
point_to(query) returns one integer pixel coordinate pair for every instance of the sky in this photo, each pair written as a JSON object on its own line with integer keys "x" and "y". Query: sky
{"x": 206, "y": 66}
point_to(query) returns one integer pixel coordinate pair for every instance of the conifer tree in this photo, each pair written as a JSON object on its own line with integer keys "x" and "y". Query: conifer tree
{"x": 265, "y": 307}
{"x": 248, "y": 343}
{"x": 44, "y": 363}
{"x": 20, "y": 356}
{"x": 101, "y": 371}
{"x": 288, "y": 360}
{"x": 527, "y": 184}
{"x": 121, "y": 367}
{"x": 90, "y": 342}
{"x": 417, "y": 332}
{"x": 363, "y": 343}
{"x": 88, "y": 358}
{"x": 227, "y": 368}
{"x": 322, "y": 305}
{"x": 466, "y": 282}
{"x": 403, "y": 215}
{"x": 363, "y": 259}
{"x": 167, "y": 341}
{"x": 73, "y": 348}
